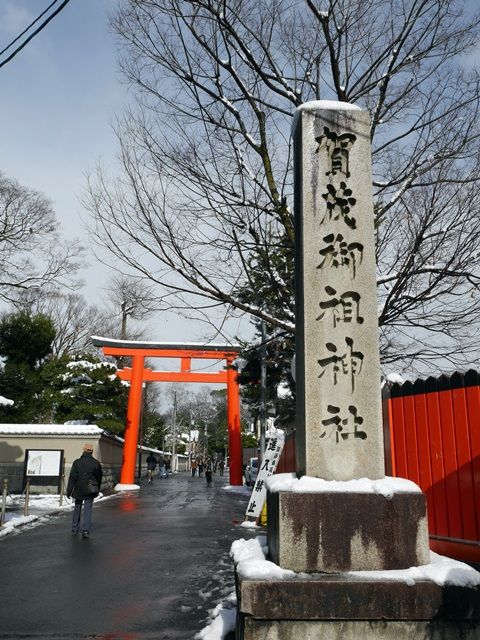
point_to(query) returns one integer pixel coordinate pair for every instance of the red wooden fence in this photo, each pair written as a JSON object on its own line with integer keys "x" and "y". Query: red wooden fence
{"x": 432, "y": 436}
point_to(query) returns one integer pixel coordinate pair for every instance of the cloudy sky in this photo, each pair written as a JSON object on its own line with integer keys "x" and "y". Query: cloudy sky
{"x": 59, "y": 96}
{"x": 58, "y": 99}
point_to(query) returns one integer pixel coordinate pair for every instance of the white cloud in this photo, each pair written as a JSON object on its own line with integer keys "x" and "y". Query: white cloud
{"x": 14, "y": 19}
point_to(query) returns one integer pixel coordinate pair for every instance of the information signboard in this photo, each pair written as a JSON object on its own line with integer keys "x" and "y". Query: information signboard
{"x": 273, "y": 451}
{"x": 43, "y": 462}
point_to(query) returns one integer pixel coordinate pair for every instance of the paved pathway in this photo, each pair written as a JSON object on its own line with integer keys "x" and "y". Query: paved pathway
{"x": 155, "y": 563}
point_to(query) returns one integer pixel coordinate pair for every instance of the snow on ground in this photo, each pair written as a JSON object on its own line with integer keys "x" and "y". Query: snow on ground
{"x": 250, "y": 558}
{"x": 246, "y": 491}
{"x": 222, "y": 620}
{"x": 249, "y": 524}
{"x": 250, "y": 555}
{"x": 40, "y": 508}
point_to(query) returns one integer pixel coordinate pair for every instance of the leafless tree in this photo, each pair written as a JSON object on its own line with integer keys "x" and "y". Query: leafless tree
{"x": 31, "y": 254}
{"x": 129, "y": 297}
{"x": 202, "y": 207}
{"x": 75, "y": 321}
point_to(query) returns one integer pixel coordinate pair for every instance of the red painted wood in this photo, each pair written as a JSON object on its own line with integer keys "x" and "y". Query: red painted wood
{"x": 127, "y": 474}
{"x": 234, "y": 431}
{"x": 176, "y": 376}
{"x": 139, "y": 374}
{"x": 397, "y": 431}
{"x": 423, "y": 451}
{"x": 467, "y": 498}
{"x": 170, "y": 353}
{"x": 438, "y": 503}
{"x": 413, "y": 472}
{"x": 449, "y": 448}
{"x": 473, "y": 411}
{"x": 456, "y": 549}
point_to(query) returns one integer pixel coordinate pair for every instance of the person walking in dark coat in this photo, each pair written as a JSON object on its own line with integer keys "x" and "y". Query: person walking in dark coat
{"x": 209, "y": 471}
{"x": 84, "y": 485}
{"x": 151, "y": 466}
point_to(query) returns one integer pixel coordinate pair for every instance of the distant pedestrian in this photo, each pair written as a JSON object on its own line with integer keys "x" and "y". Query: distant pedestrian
{"x": 151, "y": 466}
{"x": 201, "y": 467}
{"x": 162, "y": 472}
{"x": 221, "y": 466}
{"x": 209, "y": 471}
{"x": 84, "y": 485}
{"x": 194, "y": 467}
{"x": 167, "y": 466}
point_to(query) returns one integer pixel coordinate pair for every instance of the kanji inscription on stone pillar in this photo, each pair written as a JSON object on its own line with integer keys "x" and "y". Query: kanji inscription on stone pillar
{"x": 338, "y": 417}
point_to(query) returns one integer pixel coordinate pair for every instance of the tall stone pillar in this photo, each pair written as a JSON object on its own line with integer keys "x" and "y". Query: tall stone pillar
{"x": 338, "y": 416}
{"x": 341, "y": 515}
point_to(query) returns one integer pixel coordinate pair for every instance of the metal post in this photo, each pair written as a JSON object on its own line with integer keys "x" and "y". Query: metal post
{"x": 174, "y": 433}
{"x": 140, "y": 431}
{"x": 62, "y": 485}
{"x": 4, "y": 502}
{"x": 27, "y": 498}
{"x": 263, "y": 389}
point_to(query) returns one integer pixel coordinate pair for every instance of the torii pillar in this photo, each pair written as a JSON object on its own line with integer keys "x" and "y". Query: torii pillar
{"x": 138, "y": 374}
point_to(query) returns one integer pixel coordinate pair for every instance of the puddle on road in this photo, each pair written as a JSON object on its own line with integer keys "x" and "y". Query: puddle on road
{"x": 128, "y": 504}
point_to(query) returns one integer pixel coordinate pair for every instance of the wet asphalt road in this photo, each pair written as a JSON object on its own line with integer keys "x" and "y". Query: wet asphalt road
{"x": 155, "y": 563}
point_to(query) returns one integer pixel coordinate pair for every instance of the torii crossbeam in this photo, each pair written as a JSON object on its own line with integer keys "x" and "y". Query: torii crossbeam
{"x": 138, "y": 374}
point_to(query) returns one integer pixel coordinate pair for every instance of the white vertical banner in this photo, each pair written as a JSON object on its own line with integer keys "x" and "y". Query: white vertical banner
{"x": 273, "y": 451}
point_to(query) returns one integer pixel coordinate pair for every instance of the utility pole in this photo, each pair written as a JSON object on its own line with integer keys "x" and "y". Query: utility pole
{"x": 174, "y": 432}
{"x": 123, "y": 330}
{"x": 263, "y": 389}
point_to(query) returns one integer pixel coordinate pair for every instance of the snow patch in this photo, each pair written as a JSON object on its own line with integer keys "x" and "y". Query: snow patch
{"x": 394, "y": 378}
{"x": 250, "y": 559}
{"x": 126, "y": 487}
{"x": 237, "y": 489}
{"x": 386, "y": 487}
{"x": 325, "y": 105}
{"x": 223, "y": 620}
{"x": 283, "y": 391}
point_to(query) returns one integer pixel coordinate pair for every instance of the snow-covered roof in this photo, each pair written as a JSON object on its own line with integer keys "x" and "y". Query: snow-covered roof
{"x": 100, "y": 341}
{"x": 50, "y": 430}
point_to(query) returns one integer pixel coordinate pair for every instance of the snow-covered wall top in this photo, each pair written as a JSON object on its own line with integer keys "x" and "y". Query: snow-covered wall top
{"x": 50, "y": 430}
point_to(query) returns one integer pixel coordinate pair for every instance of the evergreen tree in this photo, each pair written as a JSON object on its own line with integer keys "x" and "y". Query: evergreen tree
{"x": 25, "y": 343}
{"x": 84, "y": 388}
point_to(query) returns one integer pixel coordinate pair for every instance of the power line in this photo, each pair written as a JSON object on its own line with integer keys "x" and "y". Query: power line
{"x": 28, "y": 28}
{"x": 37, "y": 31}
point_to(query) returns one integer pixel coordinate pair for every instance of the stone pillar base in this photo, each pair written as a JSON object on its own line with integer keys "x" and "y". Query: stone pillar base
{"x": 344, "y": 531}
{"x": 349, "y": 607}
{"x": 360, "y": 630}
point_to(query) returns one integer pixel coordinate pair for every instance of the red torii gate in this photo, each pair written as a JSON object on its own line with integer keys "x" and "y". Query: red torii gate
{"x": 138, "y": 374}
